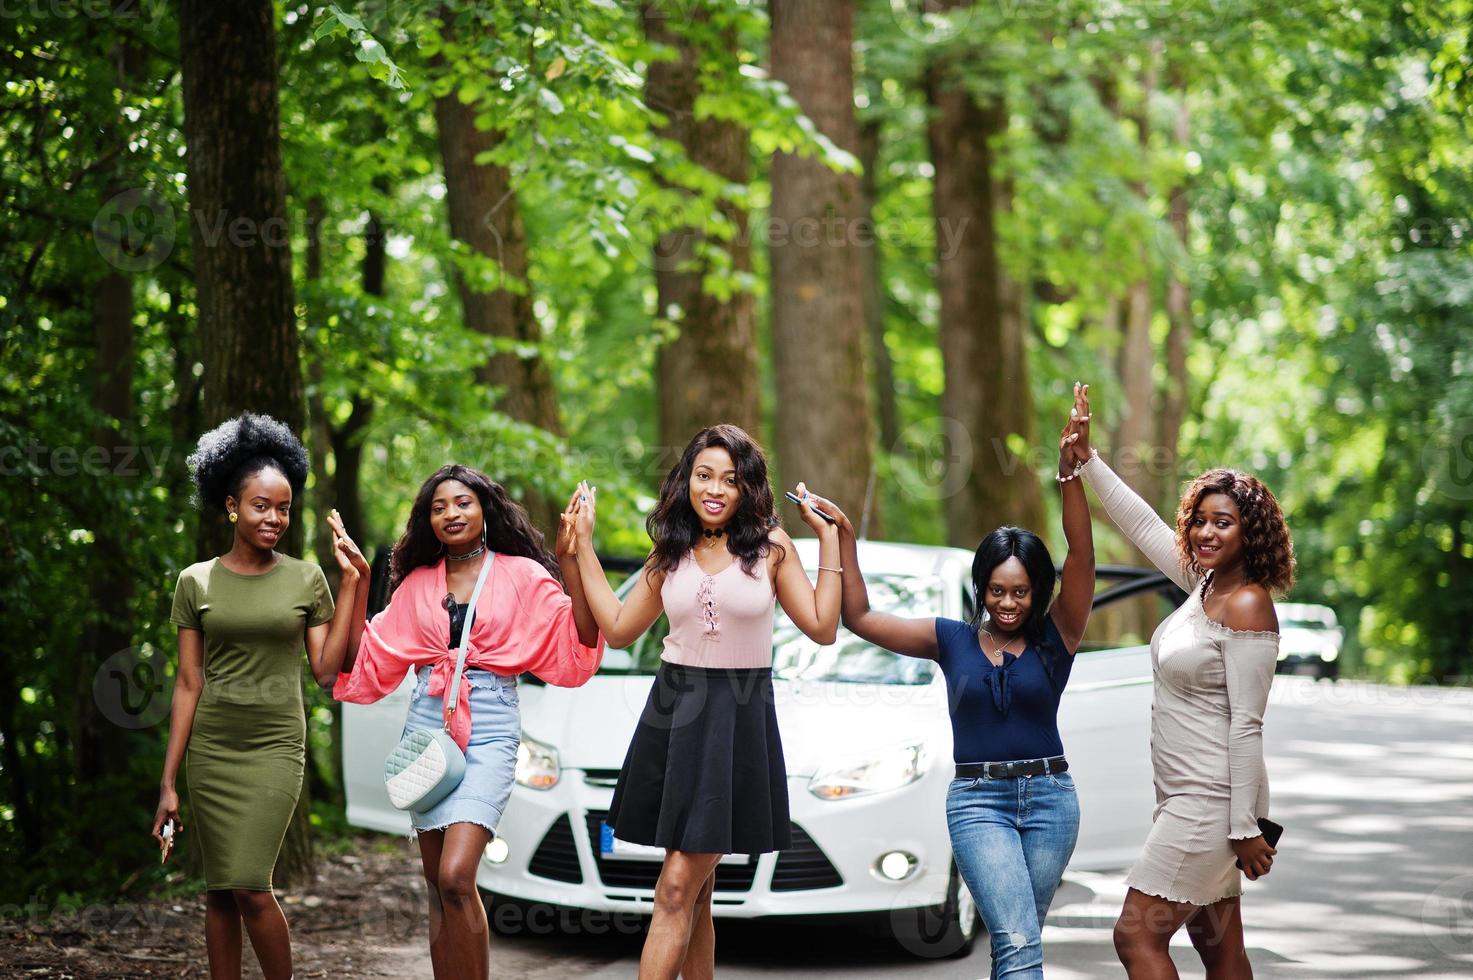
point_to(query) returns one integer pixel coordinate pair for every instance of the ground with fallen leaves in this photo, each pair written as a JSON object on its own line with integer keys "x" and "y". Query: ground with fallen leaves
{"x": 363, "y": 917}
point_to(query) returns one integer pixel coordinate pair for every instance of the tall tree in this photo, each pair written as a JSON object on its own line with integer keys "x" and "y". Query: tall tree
{"x": 713, "y": 329}
{"x": 486, "y": 216}
{"x": 987, "y": 401}
{"x": 247, "y": 329}
{"x": 824, "y": 430}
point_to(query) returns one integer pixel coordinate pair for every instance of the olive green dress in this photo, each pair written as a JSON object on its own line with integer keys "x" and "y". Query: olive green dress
{"x": 247, "y": 748}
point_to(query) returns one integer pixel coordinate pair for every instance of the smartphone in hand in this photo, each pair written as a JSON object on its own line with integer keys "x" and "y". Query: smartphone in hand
{"x": 794, "y": 498}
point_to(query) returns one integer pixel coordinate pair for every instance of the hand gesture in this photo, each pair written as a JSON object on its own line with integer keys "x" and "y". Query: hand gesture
{"x": 350, "y": 559}
{"x": 807, "y": 501}
{"x": 168, "y": 811}
{"x": 587, "y": 515}
{"x": 1255, "y": 857}
{"x": 567, "y": 527}
{"x": 1074, "y": 440}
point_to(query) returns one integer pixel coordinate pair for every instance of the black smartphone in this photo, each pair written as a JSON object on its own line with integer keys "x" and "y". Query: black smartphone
{"x": 1271, "y": 834}
{"x": 794, "y": 498}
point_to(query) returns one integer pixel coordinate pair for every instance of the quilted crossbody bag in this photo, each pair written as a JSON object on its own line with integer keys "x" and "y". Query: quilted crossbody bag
{"x": 427, "y": 764}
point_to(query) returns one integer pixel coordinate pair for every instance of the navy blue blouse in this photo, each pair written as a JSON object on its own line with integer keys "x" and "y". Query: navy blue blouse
{"x": 1007, "y": 713}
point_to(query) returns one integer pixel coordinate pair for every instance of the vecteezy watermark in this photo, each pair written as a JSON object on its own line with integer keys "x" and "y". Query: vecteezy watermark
{"x": 132, "y": 688}
{"x": 36, "y": 459}
{"x": 152, "y": 11}
{"x": 134, "y": 231}
{"x": 541, "y": 919}
{"x": 1447, "y": 460}
{"x": 1447, "y": 916}
{"x": 940, "y": 458}
{"x": 933, "y": 915}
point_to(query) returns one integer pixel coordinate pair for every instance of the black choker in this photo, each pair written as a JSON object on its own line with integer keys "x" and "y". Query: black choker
{"x": 709, "y": 533}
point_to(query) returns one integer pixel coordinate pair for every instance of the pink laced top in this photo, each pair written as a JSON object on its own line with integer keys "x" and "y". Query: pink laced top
{"x": 721, "y": 620}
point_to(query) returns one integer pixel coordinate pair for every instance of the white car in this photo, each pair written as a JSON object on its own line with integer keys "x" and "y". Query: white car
{"x": 867, "y": 742}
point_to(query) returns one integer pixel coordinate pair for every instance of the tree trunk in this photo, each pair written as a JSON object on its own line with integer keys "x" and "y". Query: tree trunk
{"x": 101, "y": 747}
{"x": 987, "y": 399}
{"x": 713, "y": 331}
{"x": 1178, "y": 303}
{"x": 882, "y": 367}
{"x": 1136, "y": 437}
{"x": 484, "y": 214}
{"x": 824, "y": 431}
{"x": 248, "y": 340}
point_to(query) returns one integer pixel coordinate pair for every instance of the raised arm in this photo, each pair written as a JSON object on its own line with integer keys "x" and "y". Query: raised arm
{"x": 1077, "y": 584}
{"x": 898, "y": 634}
{"x": 333, "y": 649}
{"x": 813, "y": 609}
{"x": 621, "y": 622}
{"x": 567, "y": 560}
{"x": 1133, "y": 516}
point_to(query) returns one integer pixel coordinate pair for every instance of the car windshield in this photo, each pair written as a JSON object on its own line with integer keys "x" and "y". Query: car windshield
{"x": 1298, "y": 622}
{"x": 795, "y": 657}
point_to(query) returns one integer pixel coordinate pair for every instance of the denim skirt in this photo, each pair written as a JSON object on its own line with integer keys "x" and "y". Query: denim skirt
{"x": 490, "y": 758}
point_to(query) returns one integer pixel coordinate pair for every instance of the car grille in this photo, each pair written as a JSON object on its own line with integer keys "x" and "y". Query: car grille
{"x": 804, "y": 866}
{"x": 642, "y": 874}
{"x": 557, "y": 856}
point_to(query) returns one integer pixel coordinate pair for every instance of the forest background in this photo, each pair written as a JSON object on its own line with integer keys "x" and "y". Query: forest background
{"x": 553, "y": 238}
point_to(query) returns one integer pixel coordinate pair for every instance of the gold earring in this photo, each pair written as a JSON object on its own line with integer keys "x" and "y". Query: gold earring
{"x": 234, "y": 517}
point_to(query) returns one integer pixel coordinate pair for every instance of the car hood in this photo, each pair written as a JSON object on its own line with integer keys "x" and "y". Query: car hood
{"x": 822, "y": 723}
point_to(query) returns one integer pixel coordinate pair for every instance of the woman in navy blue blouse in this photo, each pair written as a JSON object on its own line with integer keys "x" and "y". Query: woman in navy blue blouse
{"x": 1012, "y": 810}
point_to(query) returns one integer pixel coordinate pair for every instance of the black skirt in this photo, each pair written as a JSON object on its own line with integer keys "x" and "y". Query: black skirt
{"x": 705, "y": 772}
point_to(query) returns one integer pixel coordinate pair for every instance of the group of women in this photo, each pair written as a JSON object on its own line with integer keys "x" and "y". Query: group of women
{"x": 704, "y": 773}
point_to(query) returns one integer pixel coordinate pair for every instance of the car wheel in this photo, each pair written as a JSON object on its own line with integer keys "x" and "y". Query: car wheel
{"x": 948, "y": 930}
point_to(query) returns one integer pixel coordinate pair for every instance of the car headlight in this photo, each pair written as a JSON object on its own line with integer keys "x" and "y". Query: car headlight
{"x": 896, "y": 768}
{"x": 537, "y": 765}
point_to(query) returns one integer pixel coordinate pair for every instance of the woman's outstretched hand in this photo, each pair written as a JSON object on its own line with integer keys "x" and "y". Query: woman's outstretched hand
{"x": 586, "y": 515}
{"x": 815, "y": 502}
{"x": 567, "y": 528}
{"x": 1074, "y": 448}
{"x": 350, "y": 559}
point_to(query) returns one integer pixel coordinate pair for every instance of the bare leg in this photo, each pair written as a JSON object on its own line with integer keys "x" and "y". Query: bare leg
{"x": 222, "y": 935}
{"x": 431, "y": 843}
{"x": 467, "y": 936}
{"x": 1143, "y": 935}
{"x": 270, "y": 938}
{"x": 700, "y": 953}
{"x": 682, "y": 877}
{"x": 1217, "y": 933}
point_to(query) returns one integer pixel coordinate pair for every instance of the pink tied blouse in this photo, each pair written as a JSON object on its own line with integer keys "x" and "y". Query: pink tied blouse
{"x": 524, "y": 622}
{"x": 721, "y": 620}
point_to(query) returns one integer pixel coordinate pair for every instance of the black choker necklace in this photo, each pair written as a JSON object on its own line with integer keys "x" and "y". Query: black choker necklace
{"x": 710, "y": 533}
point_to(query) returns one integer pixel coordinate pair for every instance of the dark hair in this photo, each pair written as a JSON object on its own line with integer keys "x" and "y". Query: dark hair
{"x": 1028, "y": 548}
{"x": 673, "y": 525}
{"x": 509, "y": 530}
{"x": 239, "y": 448}
{"x": 1268, "y": 551}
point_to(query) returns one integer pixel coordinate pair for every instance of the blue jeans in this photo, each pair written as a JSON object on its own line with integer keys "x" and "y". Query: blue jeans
{"x": 1012, "y": 839}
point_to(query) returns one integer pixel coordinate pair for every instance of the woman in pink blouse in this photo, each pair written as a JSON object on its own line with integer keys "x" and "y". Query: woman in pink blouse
{"x": 524, "y": 621}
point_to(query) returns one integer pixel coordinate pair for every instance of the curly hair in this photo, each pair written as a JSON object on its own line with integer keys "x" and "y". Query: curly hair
{"x": 239, "y": 448}
{"x": 673, "y": 525}
{"x": 509, "y": 530}
{"x": 1268, "y": 550}
{"x": 1015, "y": 542}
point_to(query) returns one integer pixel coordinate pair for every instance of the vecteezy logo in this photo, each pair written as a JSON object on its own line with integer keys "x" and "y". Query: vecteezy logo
{"x": 1448, "y": 460}
{"x": 1447, "y": 916}
{"x": 132, "y": 688}
{"x": 134, "y": 231}
{"x": 941, "y": 461}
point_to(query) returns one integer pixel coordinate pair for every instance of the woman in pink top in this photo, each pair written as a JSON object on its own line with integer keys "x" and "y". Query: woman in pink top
{"x": 524, "y": 622}
{"x": 704, "y": 775}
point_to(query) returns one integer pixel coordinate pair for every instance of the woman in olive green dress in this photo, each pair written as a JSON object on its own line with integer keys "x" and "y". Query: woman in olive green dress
{"x": 238, "y": 718}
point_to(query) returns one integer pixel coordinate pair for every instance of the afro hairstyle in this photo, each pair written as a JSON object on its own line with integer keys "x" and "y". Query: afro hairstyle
{"x": 239, "y": 448}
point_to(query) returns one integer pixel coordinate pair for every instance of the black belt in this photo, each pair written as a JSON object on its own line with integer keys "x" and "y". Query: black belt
{"x": 1008, "y": 770}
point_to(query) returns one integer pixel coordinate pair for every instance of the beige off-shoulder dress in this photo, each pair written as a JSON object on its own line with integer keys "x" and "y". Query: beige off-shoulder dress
{"x": 1211, "y": 686}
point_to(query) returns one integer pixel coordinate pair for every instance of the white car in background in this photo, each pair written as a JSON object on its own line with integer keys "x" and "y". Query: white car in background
{"x": 1310, "y": 638}
{"x": 867, "y": 743}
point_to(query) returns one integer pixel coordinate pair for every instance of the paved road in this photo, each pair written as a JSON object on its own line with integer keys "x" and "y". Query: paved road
{"x": 1374, "y": 877}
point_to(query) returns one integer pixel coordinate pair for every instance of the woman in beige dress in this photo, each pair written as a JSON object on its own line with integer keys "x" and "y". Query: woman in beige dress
{"x": 1213, "y": 662}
